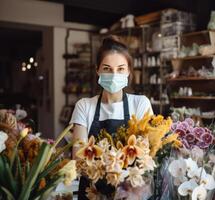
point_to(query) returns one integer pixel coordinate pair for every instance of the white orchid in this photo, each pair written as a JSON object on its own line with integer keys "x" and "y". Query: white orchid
{"x": 3, "y": 138}
{"x": 135, "y": 176}
{"x": 197, "y": 174}
{"x": 179, "y": 180}
{"x": 187, "y": 187}
{"x": 208, "y": 182}
{"x": 191, "y": 166}
{"x": 177, "y": 168}
{"x": 199, "y": 193}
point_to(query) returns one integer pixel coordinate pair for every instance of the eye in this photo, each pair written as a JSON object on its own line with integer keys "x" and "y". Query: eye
{"x": 106, "y": 69}
{"x": 121, "y": 69}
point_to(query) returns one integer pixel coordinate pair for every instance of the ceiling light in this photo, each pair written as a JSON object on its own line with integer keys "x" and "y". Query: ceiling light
{"x": 31, "y": 60}
{"x": 23, "y": 64}
{"x": 23, "y": 69}
{"x": 35, "y": 64}
{"x": 28, "y": 66}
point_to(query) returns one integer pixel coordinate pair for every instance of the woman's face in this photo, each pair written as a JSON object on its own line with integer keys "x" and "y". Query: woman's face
{"x": 114, "y": 63}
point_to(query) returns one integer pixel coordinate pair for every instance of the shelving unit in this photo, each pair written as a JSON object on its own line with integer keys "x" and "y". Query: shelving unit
{"x": 78, "y": 81}
{"x": 203, "y": 87}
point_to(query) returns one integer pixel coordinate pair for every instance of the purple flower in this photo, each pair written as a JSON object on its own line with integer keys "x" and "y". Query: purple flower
{"x": 190, "y": 138}
{"x": 207, "y": 138}
{"x": 198, "y": 131}
{"x": 189, "y": 121}
{"x": 183, "y": 125}
{"x": 202, "y": 145}
{"x": 180, "y": 132}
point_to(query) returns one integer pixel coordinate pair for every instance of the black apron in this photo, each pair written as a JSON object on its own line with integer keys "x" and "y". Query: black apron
{"x": 111, "y": 126}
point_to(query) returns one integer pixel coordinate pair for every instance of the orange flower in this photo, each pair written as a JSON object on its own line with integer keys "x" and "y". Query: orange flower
{"x": 42, "y": 183}
{"x": 132, "y": 150}
{"x": 89, "y": 151}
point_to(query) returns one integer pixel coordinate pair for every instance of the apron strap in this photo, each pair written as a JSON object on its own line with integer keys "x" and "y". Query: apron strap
{"x": 125, "y": 108}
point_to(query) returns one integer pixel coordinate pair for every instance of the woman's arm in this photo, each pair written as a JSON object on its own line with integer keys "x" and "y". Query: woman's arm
{"x": 79, "y": 133}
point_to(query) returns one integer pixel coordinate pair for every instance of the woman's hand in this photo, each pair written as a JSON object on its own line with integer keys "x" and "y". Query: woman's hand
{"x": 79, "y": 134}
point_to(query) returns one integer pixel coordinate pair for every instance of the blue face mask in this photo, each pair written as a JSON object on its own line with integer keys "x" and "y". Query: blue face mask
{"x": 113, "y": 82}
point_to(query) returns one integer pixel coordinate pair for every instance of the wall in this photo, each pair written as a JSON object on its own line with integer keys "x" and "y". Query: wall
{"x": 48, "y": 18}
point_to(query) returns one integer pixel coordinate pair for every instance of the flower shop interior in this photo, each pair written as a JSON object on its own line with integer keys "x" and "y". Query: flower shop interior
{"x": 48, "y": 54}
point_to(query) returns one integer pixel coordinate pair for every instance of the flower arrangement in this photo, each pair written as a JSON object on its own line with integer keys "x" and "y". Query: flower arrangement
{"x": 30, "y": 167}
{"x": 193, "y": 168}
{"x": 126, "y": 160}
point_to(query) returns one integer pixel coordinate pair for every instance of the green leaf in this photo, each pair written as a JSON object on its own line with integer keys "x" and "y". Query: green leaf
{"x": 38, "y": 164}
{"x": 11, "y": 182}
{"x": 49, "y": 187}
{"x": 27, "y": 169}
{"x": 49, "y": 168}
{"x": 7, "y": 192}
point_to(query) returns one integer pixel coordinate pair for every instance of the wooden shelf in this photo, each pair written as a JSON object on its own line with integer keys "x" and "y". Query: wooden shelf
{"x": 205, "y": 117}
{"x": 191, "y": 79}
{"x": 194, "y": 97}
{"x": 193, "y": 57}
{"x": 197, "y": 33}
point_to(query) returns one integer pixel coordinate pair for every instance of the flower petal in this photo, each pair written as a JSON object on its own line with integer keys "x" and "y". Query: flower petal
{"x": 199, "y": 193}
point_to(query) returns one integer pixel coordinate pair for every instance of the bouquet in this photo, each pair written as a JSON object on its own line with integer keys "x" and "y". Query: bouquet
{"x": 125, "y": 161}
{"x": 193, "y": 167}
{"x": 30, "y": 167}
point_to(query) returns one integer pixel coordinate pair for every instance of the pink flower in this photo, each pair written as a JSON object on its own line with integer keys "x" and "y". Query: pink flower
{"x": 180, "y": 132}
{"x": 207, "y": 138}
{"x": 189, "y": 121}
{"x": 183, "y": 125}
{"x": 198, "y": 131}
{"x": 190, "y": 138}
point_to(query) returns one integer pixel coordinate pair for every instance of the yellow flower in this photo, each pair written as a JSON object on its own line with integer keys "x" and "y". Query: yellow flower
{"x": 24, "y": 132}
{"x": 89, "y": 151}
{"x": 131, "y": 150}
{"x": 157, "y": 120}
{"x": 69, "y": 171}
{"x": 172, "y": 138}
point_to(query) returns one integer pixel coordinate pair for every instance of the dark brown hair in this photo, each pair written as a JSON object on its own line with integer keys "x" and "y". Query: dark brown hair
{"x": 112, "y": 44}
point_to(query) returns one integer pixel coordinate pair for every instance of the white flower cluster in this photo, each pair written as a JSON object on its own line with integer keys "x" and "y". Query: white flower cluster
{"x": 191, "y": 179}
{"x": 3, "y": 138}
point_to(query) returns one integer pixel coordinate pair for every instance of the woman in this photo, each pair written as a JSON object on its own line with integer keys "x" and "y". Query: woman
{"x": 113, "y": 107}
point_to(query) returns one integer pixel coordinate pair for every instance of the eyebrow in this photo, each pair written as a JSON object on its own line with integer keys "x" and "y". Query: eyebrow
{"x": 117, "y": 66}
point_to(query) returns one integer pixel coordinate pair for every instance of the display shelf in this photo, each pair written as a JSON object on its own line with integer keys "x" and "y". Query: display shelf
{"x": 197, "y": 33}
{"x": 194, "y": 97}
{"x": 194, "y": 58}
{"x": 191, "y": 79}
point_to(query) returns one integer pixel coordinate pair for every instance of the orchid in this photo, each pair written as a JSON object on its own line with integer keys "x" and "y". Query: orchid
{"x": 131, "y": 150}
{"x": 208, "y": 182}
{"x": 199, "y": 193}
{"x": 135, "y": 176}
{"x": 89, "y": 151}
{"x": 69, "y": 171}
{"x": 187, "y": 187}
{"x": 191, "y": 166}
{"x": 177, "y": 168}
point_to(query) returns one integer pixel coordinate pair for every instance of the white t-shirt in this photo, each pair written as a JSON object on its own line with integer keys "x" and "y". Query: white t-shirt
{"x": 85, "y": 108}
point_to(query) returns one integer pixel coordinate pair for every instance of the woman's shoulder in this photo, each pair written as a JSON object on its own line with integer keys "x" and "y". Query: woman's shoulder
{"x": 87, "y": 101}
{"x": 138, "y": 98}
